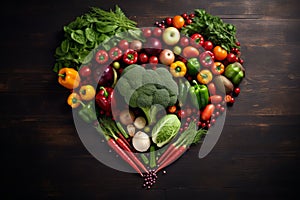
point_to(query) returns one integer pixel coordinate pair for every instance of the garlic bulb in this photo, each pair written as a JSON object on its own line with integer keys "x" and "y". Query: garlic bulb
{"x": 141, "y": 141}
{"x": 131, "y": 130}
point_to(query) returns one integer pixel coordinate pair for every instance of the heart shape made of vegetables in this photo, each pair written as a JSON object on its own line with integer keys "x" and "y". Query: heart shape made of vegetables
{"x": 152, "y": 92}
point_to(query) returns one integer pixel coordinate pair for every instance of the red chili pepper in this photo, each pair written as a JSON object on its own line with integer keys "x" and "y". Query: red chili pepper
{"x": 115, "y": 53}
{"x": 197, "y": 40}
{"x": 130, "y": 56}
{"x": 206, "y": 60}
{"x": 104, "y": 98}
{"x": 101, "y": 57}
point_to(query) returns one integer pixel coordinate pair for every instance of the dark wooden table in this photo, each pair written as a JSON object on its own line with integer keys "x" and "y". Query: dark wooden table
{"x": 256, "y": 157}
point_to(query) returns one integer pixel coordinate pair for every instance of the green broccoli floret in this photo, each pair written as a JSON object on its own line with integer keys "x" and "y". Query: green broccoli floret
{"x": 123, "y": 86}
{"x": 162, "y": 97}
{"x": 148, "y": 89}
{"x": 133, "y": 77}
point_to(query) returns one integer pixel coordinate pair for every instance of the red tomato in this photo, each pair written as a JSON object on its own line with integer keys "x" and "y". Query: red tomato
{"x": 123, "y": 45}
{"x": 207, "y": 112}
{"x": 178, "y": 21}
{"x": 208, "y": 45}
{"x": 153, "y": 60}
{"x": 220, "y": 53}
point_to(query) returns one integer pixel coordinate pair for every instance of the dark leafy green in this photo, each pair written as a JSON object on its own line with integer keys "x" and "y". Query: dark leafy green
{"x": 198, "y": 136}
{"x": 83, "y": 35}
{"x": 212, "y": 28}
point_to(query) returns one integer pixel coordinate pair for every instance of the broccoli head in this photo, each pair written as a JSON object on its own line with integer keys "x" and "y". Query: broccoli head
{"x": 147, "y": 89}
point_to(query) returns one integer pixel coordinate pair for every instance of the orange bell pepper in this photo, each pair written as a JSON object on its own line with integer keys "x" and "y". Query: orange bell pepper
{"x": 74, "y": 100}
{"x": 69, "y": 78}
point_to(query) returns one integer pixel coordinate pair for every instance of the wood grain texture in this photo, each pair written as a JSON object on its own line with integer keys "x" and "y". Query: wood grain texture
{"x": 257, "y": 156}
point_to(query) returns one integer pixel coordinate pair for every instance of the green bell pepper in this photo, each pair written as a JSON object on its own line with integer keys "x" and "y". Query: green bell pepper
{"x": 183, "y": 91}
{"x": 193, "y": 66}
{"x": 87, "y": 113}
{"x": 199, "y": 95}
{"x": 234, "y": 72}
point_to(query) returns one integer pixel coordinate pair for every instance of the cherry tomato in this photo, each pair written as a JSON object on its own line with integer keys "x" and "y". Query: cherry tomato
{"x": 231, "y": 58}
{"x": 153, "y": 60}
{"x": 172, "y": 109}
{"x": 157, "y": 32}
{"x": 184, "y": 41}
{"x": 208, "y": 45}
{"x": 237, "y": 91}
{"x": 147, "y": 32}
{"x": 85, "y": 71}
{"x": 143, "y": 58}
{"x": 123, "y": 45}
{"x": 220, "y": 53}
{"x": 169, "y": 21}
{"x": 189, "y": 21}
{"x": 181, "y": 114}
{"x": 185, "y": 16}
{"x": 178, "y": 21}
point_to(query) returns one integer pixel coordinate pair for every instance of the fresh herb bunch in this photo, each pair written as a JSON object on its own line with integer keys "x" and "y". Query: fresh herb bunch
{"x": 86, "y": 32}
{"x": 212, "y": 28}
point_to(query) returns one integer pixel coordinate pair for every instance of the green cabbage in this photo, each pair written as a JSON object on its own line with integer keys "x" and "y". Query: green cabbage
{"x": 165, "y": 129}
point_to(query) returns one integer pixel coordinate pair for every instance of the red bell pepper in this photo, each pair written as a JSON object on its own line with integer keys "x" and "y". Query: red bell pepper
{"x": 101, "y": 57}
{"x": 197, "y": 40}
{"x": 115, "y": 53}
{"x": 104, "y": 98}
{"x": 130, "y": 56}
{"x": 206, "y": 60}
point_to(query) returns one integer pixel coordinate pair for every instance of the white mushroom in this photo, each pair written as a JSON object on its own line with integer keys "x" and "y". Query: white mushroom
{"x": 141, "y": 141}
{"x": 140, "y": 122}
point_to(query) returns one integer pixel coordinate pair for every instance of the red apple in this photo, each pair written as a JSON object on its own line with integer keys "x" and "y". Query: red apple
{"x": 166, "y": 57}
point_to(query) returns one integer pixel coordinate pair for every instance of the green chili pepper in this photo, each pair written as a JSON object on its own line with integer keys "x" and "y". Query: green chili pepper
{"x": 193, "y": 66}
{"x": 234, "y": 72}
{"x": 87, "y": 113}
{"x": 199, "y": 95}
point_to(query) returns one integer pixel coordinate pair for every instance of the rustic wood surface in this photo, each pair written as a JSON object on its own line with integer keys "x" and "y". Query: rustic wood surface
{"x": 256, "y": 157}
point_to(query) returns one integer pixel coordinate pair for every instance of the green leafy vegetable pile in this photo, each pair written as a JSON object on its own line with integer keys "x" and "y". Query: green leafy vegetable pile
{"x": 86, "y": 32}
{"x": 212, "y": 28}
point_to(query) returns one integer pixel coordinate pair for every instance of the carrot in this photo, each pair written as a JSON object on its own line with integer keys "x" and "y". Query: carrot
{"x": 166, "y": 153}
{"x": 172, "y": 158}
{"x": 112, "y": 143}
{"x": 124, "y": 140}
{"x": 130, "y": 153}
{"x": 178, "y": 148}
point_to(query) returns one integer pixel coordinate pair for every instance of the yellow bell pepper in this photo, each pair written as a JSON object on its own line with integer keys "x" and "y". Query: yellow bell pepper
{"x": 178, "y": 69}
{"x": 69, "y": 78}
{"x": 74, "y": 100}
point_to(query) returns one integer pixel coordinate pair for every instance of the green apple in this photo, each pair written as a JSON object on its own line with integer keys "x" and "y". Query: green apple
{"x": 171, "y": 36}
